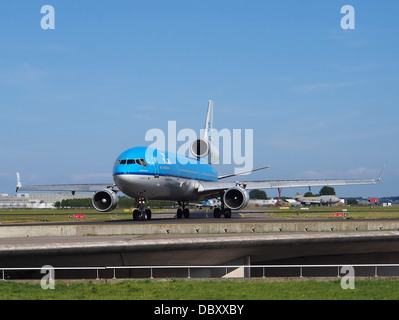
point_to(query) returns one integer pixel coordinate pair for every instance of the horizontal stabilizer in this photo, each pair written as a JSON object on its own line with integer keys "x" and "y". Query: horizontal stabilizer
{"x": 243, "y": 172}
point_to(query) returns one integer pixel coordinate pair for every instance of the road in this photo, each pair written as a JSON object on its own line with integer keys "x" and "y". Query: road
{"x": 196, "y": 216}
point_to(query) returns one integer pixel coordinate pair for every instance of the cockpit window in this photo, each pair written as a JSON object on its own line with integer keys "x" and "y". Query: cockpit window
{"x": 140, "y": 162}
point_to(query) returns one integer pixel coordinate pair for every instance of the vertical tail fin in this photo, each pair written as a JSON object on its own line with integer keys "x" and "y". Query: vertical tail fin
{"x": 209, "y": 122}
{"x": 203, "y": 147}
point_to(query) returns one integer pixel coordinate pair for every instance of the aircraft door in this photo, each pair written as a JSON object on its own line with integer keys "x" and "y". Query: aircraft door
{"x": 156, "y": 168}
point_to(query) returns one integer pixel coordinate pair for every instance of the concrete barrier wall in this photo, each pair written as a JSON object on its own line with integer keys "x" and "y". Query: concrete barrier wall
{"x": 211, "y": 228}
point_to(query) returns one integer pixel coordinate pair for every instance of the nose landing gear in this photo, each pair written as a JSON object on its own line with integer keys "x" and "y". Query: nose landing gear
{"x": 183, "y": 211}
{"x": 141, "y": 214}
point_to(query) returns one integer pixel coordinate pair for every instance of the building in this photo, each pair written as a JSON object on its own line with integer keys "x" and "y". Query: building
{"x": 54, "y": 197}
{"x": 20, "y": 201}
{"x": 37, "y": 200}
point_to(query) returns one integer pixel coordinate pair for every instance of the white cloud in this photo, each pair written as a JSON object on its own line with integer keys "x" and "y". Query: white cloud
{"x": 23, "y": 75}
{"x": 328, "y": 85}
{"x": 140, "y": 116}
{"x": 361, "y": 172}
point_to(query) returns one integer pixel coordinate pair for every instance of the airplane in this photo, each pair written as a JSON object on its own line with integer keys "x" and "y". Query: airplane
{"x": 145, "y": 173}
{"x": 320, "y": 200}
{"x": 212, "y": 203}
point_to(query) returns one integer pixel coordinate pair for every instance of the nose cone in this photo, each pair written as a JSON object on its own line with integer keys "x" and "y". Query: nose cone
{"x": 120, "y": 175}
{"x": 129, "y": 184}
{"x": 117, "y": 170}
{"x": 120, "y": 181}
{"x": 128, "y": 168}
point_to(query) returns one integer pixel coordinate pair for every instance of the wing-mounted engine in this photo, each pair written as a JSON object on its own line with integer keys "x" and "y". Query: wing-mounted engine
{"x": 236, "y": 198}
{"x": 105, "y": 200}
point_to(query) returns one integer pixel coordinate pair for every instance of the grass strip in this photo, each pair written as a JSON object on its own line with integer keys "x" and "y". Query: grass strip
{"x": 365, "y": 289}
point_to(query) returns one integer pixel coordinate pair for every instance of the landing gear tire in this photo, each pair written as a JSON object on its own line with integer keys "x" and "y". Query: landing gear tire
{"x": 136, "y": 214}
{"x": 216, "y": 213}
{"x": 179, "y": 213}
{"x": 186, "y": 213}
{"x": 183, "y": 213}
{"x": 227, "y": 213}
{"x": 141, "y": 215}
{"x": 148, "y": 214}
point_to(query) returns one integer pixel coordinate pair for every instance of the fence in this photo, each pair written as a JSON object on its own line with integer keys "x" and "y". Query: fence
{"x": 224, "y": 271}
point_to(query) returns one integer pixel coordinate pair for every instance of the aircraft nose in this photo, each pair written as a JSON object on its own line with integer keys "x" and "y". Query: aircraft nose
{"x": 121, "y": 181}
{"x": 119, "y": 168}
{"x": 116, "y": 170}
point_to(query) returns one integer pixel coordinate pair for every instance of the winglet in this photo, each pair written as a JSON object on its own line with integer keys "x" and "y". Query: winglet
{"x": 208, "y": 122}
{"x": 382, "y": 170}
{"x": 19, "y": 183}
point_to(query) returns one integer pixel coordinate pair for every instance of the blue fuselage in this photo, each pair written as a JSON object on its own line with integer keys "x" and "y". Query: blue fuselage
{"x": 143, "y": 172}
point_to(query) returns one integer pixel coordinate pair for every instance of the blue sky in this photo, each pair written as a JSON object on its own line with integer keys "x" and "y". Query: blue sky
{"x": 322, "y": 101}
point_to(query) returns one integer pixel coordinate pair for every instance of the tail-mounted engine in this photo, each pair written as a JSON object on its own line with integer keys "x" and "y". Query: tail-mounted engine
{"x": 203, "y": 148}
{"x": 236, "y": 198}
{"x": 105, "y": 200}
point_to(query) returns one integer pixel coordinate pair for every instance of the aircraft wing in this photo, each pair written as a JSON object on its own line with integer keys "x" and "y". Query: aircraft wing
{"x": 212, "y": 187}
{"x": 65, "y": 187}
{"x": 69, "y": 187}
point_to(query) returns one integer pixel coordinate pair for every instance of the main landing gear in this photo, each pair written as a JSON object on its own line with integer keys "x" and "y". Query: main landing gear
{"x": 218, "y": 212}
{"x": 183, "y": 211}
{"x": 141, "y": 214}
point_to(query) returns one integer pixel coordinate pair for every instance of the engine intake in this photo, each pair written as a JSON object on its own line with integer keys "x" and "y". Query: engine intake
{"x": 236, "y": 198}
{"x": 201, "y": 148}
{"x": 105, "y": 200}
